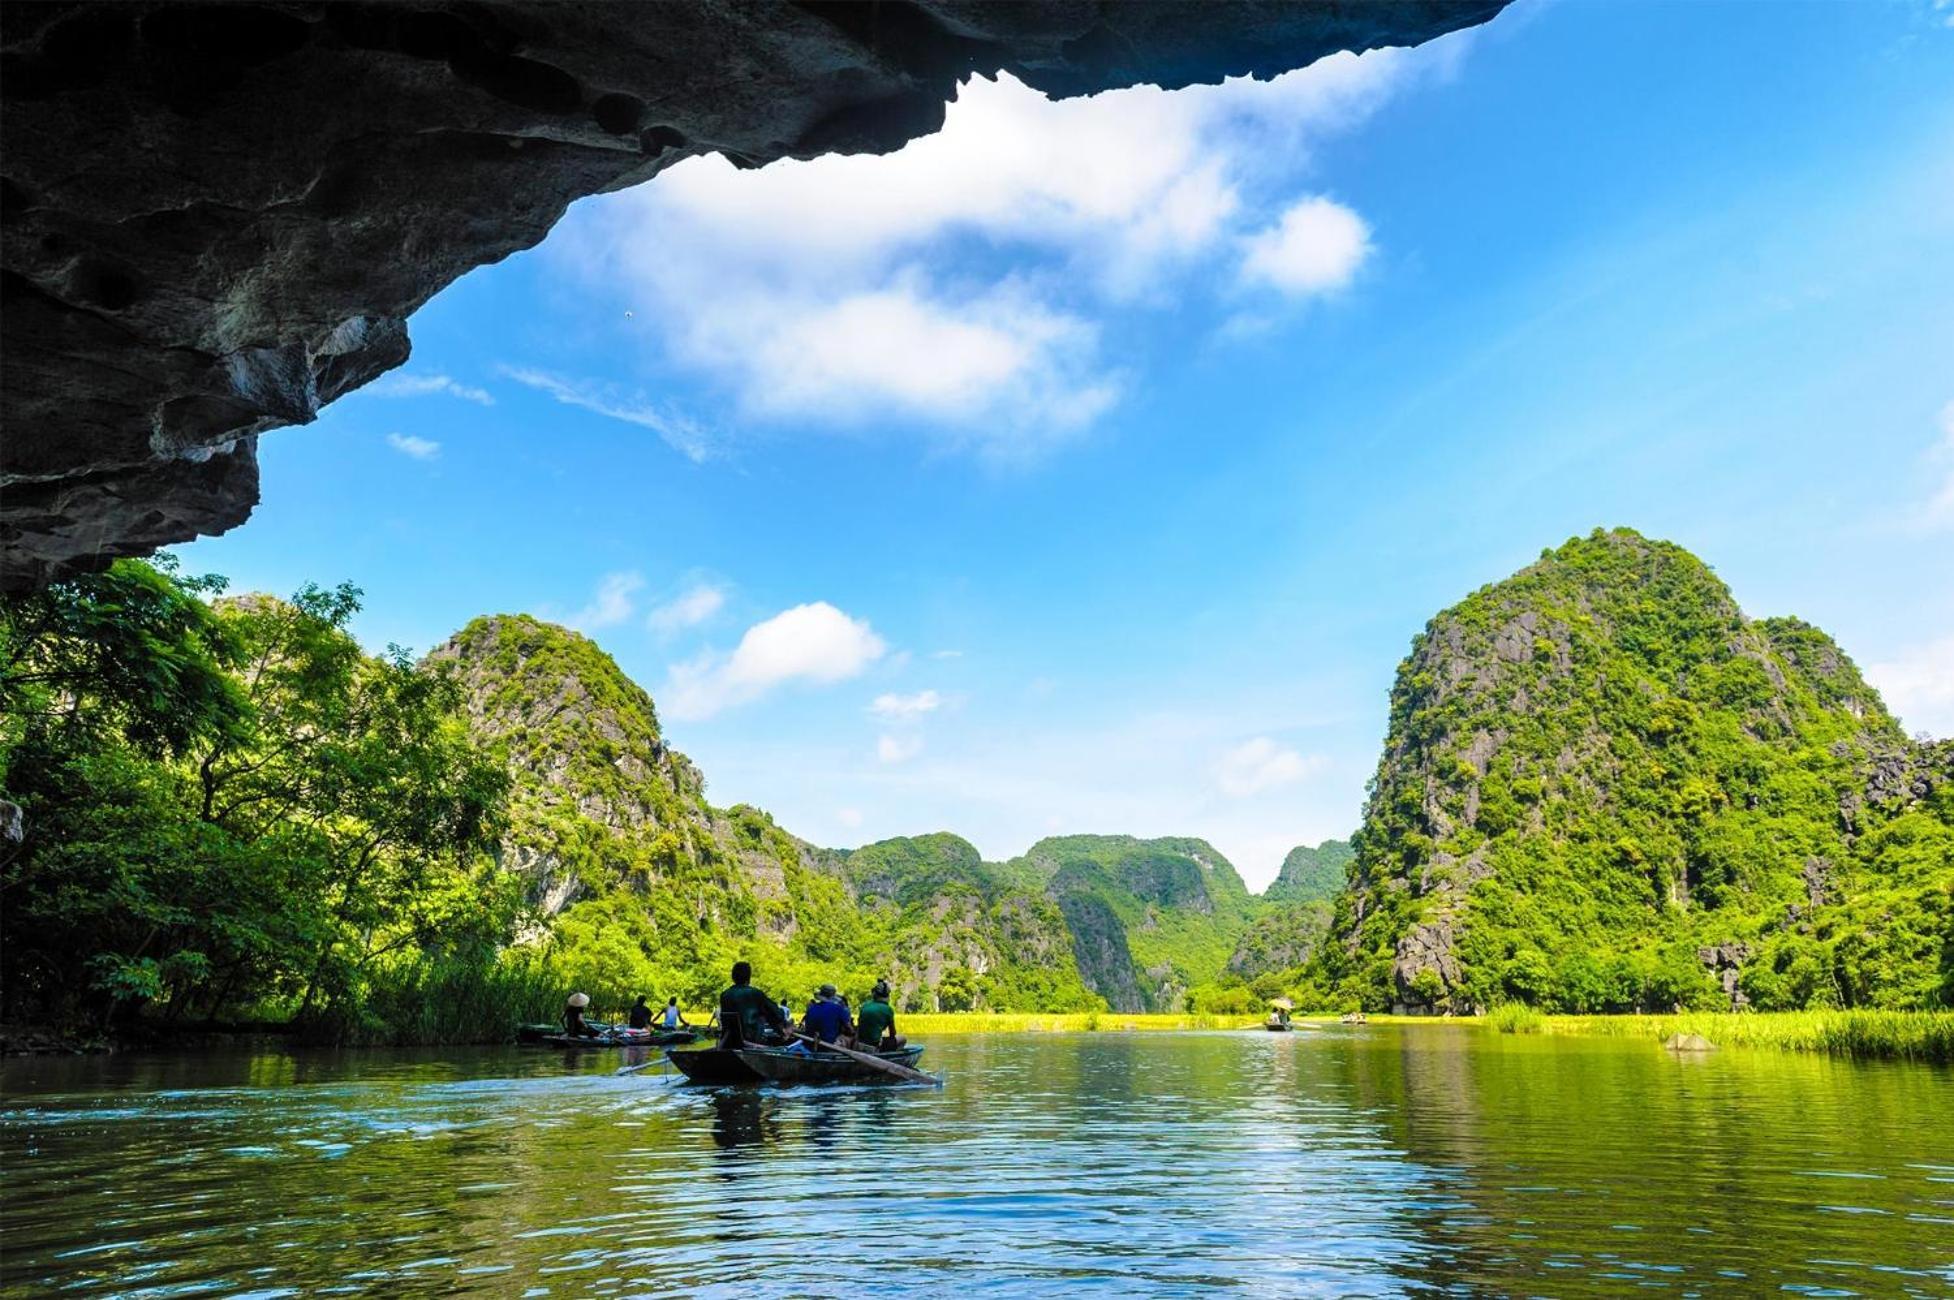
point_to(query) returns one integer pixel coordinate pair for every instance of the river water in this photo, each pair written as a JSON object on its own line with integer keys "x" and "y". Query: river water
{"x": 1339, "y": 1161}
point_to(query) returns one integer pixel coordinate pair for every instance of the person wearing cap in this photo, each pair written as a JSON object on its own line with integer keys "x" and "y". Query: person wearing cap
{"x": 746, "y": 1015}
{"x": 573, "y": 1021}
{"x": 827, "y": 1016}
{"x": 876, "y": 1024}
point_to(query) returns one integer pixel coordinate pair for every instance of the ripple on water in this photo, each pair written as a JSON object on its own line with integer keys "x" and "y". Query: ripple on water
{"x": 1348, "y": 1164}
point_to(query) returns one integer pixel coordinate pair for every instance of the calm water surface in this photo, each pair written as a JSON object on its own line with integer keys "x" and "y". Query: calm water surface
{"x": 1383, "y": 1160}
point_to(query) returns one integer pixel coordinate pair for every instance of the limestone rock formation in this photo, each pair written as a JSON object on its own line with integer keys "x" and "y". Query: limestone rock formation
{"x": 1311, "y": 874}
{"x": 217, "y": 217}
{"x": 1605, "y": 788}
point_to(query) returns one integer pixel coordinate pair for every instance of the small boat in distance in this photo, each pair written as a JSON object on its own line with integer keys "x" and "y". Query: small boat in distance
{"x": 1278, "y": 1021}
{"x": 661, "y": 1038}
{"x": 1355, "y": 1018}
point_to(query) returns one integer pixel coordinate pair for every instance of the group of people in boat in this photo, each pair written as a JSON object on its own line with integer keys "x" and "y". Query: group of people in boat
{"x": 748, "y": 1017}
{"x": 640, "y": 1018}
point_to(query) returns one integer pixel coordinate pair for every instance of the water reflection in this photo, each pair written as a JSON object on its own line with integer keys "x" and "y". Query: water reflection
{"x": 1336, "y": 1161}
{"x": 739, "y": 1118}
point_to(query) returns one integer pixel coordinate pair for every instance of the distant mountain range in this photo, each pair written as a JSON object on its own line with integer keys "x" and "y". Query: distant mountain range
{"x": 1603, "y": 787}
{"x": 628, "y": 864}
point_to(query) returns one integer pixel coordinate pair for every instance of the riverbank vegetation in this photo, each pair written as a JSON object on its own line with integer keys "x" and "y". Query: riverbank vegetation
{"x": 232, "y": 812}
{"x": 1906, "y": 1035}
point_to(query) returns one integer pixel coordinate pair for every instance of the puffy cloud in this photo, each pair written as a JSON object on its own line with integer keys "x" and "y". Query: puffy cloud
{"x": 1918, "y": 685}
{"x": 958, "y": 285}
{"x": 849, "y": 817}
{"x": 811, "y": 643}
{"x": 1260, "y": 765}
{"x": 897, "y": 749}
{"x": 689, "y": 608}
{"x": 683, "y": 434}
{"x": 900, "y": 707}
{"x": 612, "y": 604}
{"x": 1315, "y": 248}
{"x": 418, "y": 448}
{"x": 400, "y": 384}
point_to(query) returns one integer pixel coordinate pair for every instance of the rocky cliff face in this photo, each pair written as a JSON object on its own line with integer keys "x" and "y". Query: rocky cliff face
{"x": 218, "y": 216}
{"x": 599, "y": 802}
{"x": 1311, "y": 875}
{"x": 1604, "y": 787}
{"x": 1150, "y": 919}
{"x": 612, "y": 833}
{"x": 959, "y": 932}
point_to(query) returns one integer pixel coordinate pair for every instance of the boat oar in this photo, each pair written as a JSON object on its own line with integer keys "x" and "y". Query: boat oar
{"x": 887, "y": 1067}
{"x": 641, "y": 1065}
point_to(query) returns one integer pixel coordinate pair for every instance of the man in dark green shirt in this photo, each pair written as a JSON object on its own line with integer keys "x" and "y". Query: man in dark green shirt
{"x": 876, "y": 1020}
{"x": 746, "y": 1015}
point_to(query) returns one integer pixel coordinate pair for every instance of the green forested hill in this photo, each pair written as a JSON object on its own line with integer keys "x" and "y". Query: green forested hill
{"x": 640, "y": 884}
{"x": 1312, "y": 875}
{"x": 1151, "y": 919}
{"x": 1604, "y": 787}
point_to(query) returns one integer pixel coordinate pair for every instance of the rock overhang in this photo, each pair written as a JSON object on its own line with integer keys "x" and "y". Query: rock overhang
{"x": 216, "y": 218}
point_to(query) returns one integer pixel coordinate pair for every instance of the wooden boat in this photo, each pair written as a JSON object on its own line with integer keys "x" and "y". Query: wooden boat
{"x": 713, "y": 1066}
{"x": 779, "y": 1065}
{"x": 1278, "y": 1026}
{"x": 661, "y": 1038}
{"x": 720, "y": 1066}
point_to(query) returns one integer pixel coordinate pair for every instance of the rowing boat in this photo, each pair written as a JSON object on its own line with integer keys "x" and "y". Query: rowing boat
{"x": 721, "y": 1066}
{"x": 781, "y": 1065}
{"x": 712, "y": 1066}
{"x": 661, "y": 1039}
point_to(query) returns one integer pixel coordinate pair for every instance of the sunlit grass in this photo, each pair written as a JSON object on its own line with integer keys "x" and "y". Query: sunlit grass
{"x": 981, "y": 1022}
{"x": 1515, "y": 1018}
{"x": 1910, "y": 1035}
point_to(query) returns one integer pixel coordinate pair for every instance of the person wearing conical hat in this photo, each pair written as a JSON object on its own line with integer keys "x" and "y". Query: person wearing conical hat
{"x": 573, "y": 1021}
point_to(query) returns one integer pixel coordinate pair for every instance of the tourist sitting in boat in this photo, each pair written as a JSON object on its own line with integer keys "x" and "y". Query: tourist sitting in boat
{"x": 746, "y": 1015}
{"x": 640, "y": 1014}
{"x": 827, "y": 1016}
{"x": 674, "y": 1018}
{"x": 573, "y": 1021}
{"x": 875, "y": 1024}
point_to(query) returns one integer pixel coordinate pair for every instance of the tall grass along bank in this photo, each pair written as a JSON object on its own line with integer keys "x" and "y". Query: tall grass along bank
{"x": 1906, "y": 1035}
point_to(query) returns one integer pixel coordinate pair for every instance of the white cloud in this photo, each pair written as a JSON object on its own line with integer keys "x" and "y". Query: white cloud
{"x": 1260, "y": 765}
{"x": 849, "y": 817}
{"x": 406, "y": 385}
{"x": 689, "y": 608}
{"x": 897, "y": 749}
{"x": 419, "y": 448}
{"x": 813, "y": 643}
{"x": 946, "y": 654}
{"x": 959, "y": 284}
{"x": 612, "y": 604}
{"x": 903, "y": 707}
{"x": 683, "y": 434}
{"x": 1918, "y": 685}
{"x": 1315, "y": 248}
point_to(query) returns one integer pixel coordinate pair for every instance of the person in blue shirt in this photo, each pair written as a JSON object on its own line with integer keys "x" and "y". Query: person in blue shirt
{"x": 827, "y": 1018}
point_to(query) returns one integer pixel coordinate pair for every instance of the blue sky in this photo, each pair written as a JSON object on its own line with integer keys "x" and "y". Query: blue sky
{"x": 1090, "y": 466}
